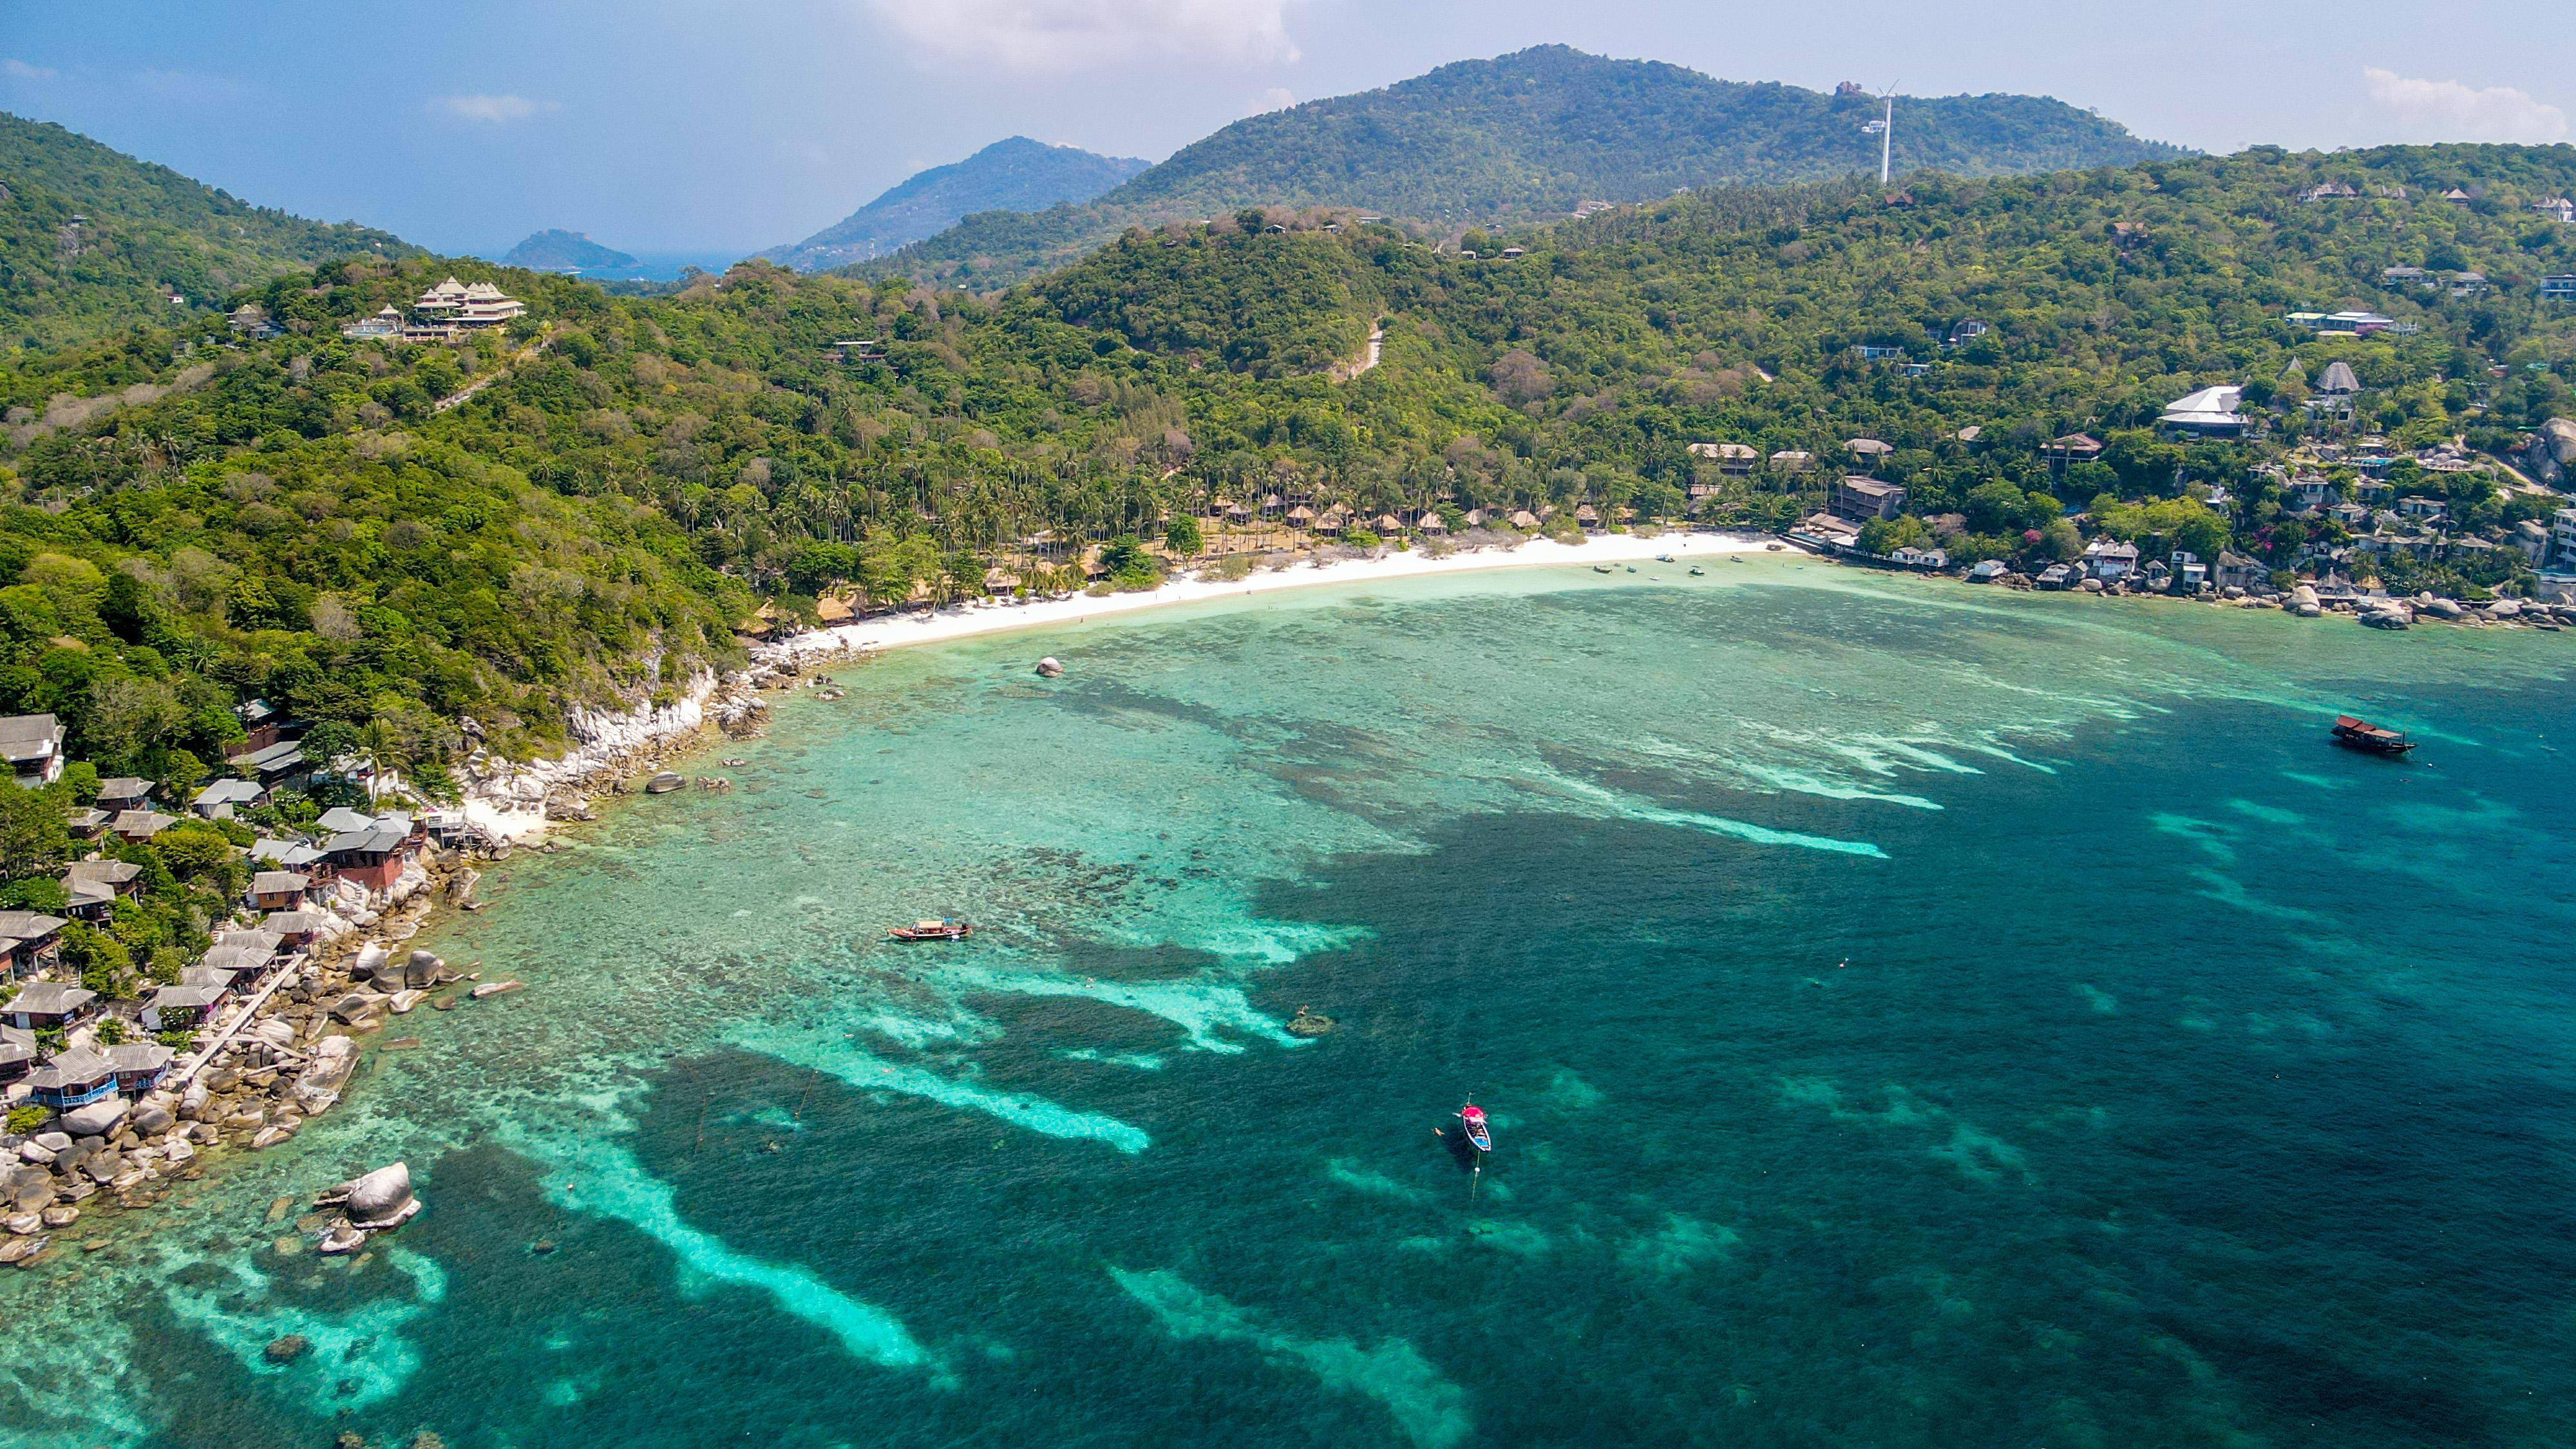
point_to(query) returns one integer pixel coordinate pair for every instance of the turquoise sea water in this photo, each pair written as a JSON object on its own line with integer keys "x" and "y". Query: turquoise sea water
{"x": 1910, "y": 1015}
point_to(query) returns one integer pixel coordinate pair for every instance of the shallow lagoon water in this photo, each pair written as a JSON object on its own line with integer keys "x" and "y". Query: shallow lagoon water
{"x": 1910, "y": 1015}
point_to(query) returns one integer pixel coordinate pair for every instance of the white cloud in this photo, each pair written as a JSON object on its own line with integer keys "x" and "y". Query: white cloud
{"x": 1065, "y": 35}
{"x": 493, "y": 110}
{"x": 2446, "y": 110}
{"x": 16, "y": 69}
{"x": 1277, "y": 98}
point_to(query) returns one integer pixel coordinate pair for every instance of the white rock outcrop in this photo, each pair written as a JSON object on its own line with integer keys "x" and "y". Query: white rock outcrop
{"x": 508, "y": 801}
{"x": 379, "y": 1200}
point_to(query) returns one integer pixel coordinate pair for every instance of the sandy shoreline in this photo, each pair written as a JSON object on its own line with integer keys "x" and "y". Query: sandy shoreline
{"x": 510, "y": 802}
{"x": 981, "y": 617}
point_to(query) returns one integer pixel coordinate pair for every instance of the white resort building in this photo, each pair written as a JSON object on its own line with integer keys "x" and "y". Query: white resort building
{"x": 478, "y": 305}
{"x": 452, "y": 309}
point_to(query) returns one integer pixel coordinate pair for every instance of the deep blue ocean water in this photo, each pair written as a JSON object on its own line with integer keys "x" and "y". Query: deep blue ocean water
{"x": 1909, "y": 1015}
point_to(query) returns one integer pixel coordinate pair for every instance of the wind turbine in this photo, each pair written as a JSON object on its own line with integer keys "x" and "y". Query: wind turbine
{"x": 1885, "y": 129}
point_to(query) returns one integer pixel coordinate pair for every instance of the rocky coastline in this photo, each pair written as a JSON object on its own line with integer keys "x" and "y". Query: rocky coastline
{"x": 2305, "y": 601}
{"x": 286, "y": 1064}
{"x": 99, "y": 1169}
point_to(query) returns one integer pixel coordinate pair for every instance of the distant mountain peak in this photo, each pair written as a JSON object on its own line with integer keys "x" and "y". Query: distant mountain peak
{"x": 556, "y": 250}
{"x": 1534, "y": 134}
{"x": 1015, "y": 174}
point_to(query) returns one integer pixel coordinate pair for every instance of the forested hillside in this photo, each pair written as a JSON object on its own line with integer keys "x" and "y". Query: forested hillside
{"x": 1531, "y": 135}
{"x": 93, "y": 239}
{"x": 293, "y": 516}
{"x": 1009, "y": 176}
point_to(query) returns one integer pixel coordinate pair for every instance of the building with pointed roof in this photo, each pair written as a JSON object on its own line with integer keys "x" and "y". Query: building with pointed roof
{"x": 2209, "y": 413}
{"x": 33, "y": 746}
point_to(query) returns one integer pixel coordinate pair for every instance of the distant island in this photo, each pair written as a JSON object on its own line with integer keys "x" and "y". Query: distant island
{"x": 1016, "y": 175}
{"x": 566, "y": 251}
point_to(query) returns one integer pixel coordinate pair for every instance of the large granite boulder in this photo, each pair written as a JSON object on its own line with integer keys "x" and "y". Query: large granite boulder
{"x": 319, "y": 1088}
{"x": 24, "y": 1182}
{"x": 355, "y": 1007}
{"x": 423, "y": 970}
{"x": 98, "y": 1119}
{"x": 382, "y": 1198}
{"x": 152, "y": 1119}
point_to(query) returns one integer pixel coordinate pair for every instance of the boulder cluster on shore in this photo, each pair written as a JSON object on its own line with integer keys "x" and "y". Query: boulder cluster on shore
{"x": 286, "y": 1066}
{"x": 291, "y": 1060}
{"x": 2307, "y": 601}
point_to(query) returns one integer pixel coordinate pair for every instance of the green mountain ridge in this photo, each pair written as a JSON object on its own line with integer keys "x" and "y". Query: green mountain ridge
{"x": 1012, "y": 175}
{"x": 300, "y": 520}
{"x": 1533, "y": 134}
{"x": 91, "y": 238}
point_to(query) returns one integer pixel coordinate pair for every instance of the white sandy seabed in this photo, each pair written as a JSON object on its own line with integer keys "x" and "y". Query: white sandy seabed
{"x": 510, "y": 806}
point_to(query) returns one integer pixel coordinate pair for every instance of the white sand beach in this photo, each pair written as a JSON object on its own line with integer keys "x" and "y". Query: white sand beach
{"x": 509, "y": 804}
{"x": 894, "y": 631}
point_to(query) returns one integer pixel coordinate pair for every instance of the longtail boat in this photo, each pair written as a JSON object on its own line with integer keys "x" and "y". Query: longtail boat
{"x": 939, "y": 930}
{"x": 2361, "y": 734}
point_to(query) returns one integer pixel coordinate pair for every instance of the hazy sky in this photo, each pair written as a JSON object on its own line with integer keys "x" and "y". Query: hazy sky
{"x": 694, "y": 125}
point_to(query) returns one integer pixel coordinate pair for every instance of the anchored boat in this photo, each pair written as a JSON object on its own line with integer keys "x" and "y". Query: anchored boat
{"x": 2361, "y": 734}
{"x": 939, "y": 930}
{"x": 1478, "y": 1136}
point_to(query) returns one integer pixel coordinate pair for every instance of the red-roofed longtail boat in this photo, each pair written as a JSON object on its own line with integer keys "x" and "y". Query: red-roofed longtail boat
{"x": 2361, "y": 734}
